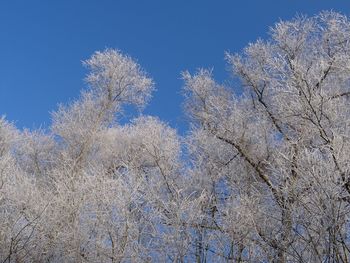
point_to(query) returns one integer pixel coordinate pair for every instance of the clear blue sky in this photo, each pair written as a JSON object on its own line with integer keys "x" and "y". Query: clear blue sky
{"x": 42, "y": 44}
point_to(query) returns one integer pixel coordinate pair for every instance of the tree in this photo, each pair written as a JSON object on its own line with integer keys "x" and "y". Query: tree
{"x": 262, "y": 176}
{"x": 275, "y": 158}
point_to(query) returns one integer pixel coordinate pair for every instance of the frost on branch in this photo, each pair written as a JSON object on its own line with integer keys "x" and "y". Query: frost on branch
{"x": 205, "y": 99}
{"x": 117, "y": 78}
{"x": 114, "y": 80}
{"x": 8, "y": 136}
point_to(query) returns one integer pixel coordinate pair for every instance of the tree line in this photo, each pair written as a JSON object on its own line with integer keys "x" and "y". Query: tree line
{"x": 261, "y": 176}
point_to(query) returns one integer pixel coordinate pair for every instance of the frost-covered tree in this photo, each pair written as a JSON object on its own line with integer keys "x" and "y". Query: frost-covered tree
{"x": 262, "y": 176}
{"x": 274, "y": 160}
{"x": 91, "y": 190}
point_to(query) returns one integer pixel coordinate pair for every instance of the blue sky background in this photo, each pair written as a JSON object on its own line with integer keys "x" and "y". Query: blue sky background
{"x": 42, "y": 44}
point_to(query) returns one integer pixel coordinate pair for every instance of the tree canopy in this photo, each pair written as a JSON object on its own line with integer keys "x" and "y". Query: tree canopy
{"x": 262, "y": 175}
